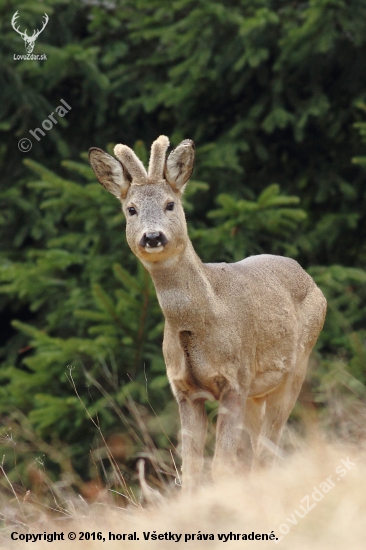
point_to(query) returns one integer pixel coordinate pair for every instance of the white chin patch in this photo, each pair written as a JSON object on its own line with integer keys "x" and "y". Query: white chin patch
{"x": 153, "y": 250}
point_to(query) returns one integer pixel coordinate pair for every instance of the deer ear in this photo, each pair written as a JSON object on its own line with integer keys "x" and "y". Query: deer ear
{"x": 110, "y": 172}
{"x": 179, "y": 165}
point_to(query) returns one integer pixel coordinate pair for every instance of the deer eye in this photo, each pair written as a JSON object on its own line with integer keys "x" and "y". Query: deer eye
{"x": 170, "y": 206}
{"x": 131, "y": 210}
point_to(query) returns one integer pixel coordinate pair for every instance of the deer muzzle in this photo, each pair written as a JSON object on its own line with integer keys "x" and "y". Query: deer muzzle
{"x": 153, "y": 239}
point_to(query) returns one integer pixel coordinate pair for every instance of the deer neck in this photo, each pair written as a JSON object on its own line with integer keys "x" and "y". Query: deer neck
{"x": 184, "y": 292}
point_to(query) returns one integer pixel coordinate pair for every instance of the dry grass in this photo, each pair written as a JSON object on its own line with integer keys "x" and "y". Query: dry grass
{"x": 313, "y": 498}
{"x": 264, "y": 502}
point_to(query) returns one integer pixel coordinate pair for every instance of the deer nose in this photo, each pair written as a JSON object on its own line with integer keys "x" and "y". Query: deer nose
{"x": 153, "y": 239}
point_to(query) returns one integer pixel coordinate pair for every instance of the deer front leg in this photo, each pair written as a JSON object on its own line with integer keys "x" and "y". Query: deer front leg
{"x": 193, "y": 429}
{"x": 229, "y": 432}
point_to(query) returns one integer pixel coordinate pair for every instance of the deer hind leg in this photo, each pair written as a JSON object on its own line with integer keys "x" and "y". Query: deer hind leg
{"x": 229, "y": 434}
{"x": 193, "y": 430}
{"x": 279, "y": 405}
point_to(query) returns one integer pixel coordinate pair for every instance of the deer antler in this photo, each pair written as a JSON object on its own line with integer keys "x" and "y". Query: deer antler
{"x": 38, "y": 32}
{"x": 15, "y": 17}
{"x": 24, "y": 34}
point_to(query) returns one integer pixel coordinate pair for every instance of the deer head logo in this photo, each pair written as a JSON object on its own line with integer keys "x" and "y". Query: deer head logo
{"x": 29, "y": 40}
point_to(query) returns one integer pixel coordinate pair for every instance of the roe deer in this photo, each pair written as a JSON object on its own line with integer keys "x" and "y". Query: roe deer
{"x": 239, "y": 333}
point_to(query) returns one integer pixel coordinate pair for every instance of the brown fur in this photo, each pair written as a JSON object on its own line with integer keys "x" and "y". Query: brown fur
{"x": 157, "y": 158}
{"x": 240, "y": 333}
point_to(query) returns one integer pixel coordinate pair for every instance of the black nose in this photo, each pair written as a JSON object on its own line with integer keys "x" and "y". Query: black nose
{"x": 153, "y": 239}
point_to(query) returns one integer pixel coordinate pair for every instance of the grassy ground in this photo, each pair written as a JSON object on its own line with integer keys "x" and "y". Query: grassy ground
{"x": 314, "y": 498}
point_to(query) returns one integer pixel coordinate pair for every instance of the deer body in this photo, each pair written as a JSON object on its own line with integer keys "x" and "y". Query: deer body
{"x": 239, "y": 326}
{"x": 239, "y": 333}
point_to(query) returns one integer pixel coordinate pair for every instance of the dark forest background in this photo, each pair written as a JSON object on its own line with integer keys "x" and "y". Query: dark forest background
{"x": 273, "y": 93}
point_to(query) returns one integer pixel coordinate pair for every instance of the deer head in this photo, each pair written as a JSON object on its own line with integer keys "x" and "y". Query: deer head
{"x": 156, "y": 227}
{"x": 29, "y": 40}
